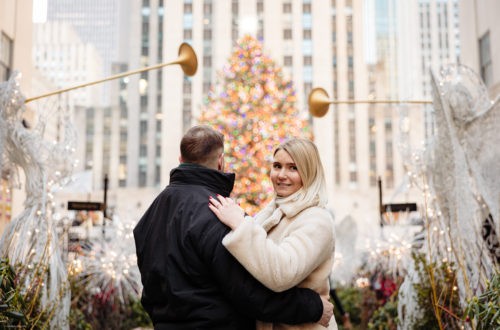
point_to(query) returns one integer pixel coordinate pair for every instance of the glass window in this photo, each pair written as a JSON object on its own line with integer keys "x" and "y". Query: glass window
{"x": 307, "y": 89}
{"x": 307, "y": 47}
{"x": 207, "y": 8}
{"x": 308, "y": 74}
{"x": 188, "y": 21}
{"x": 6, "y": 46}
{"x": 485, "y": 59}
{"x": 307, "y": 34}
{"x": 186, "y": 87}
{"x": 287, "y": 7}
{"x": 234, "y": 7}
{"x": 287, "y": 34}
{"x": 206, "y": 86}
{"x": 260, "y": 6}
{"x": 288, "y": 60}
{"x": 207, "y": 34}
{"x": 207, "y": 60}
{"x": 307, "y": 21}
{"x": 188, "y": 34}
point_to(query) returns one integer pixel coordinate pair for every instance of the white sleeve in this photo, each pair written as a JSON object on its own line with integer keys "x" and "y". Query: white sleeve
{"x": 284, "y": 265}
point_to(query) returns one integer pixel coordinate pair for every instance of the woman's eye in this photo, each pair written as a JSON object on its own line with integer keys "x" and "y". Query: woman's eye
{"x": 293, "y": 168}
{"x": 276, "y": 166}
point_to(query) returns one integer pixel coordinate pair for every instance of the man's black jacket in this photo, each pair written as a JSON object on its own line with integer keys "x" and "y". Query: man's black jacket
{"x": 190, "y": 280}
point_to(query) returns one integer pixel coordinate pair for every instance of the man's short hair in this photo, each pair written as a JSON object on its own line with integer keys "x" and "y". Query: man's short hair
{"x": 201, "y": 145}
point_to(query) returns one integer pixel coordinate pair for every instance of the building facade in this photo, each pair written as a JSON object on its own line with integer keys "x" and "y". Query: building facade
{"x": 478, "y": 30}
{"x": 355, "y": 49}
{"x": 15, "y": 43}
{"x": 318, "y": 43}
{"x": 96, "y": 23}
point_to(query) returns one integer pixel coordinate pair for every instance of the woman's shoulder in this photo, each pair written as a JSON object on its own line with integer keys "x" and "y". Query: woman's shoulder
{"x": 319, "y": 210}
{"x": 316, "y": 212}
{"x": 314, "y": 220}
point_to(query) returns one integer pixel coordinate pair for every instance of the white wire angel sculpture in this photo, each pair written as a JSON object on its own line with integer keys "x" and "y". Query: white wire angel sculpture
{"x": 30, "y": 239}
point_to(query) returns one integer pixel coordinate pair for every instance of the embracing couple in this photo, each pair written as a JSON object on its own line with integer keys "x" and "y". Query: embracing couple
{"x": 206, "y": 265}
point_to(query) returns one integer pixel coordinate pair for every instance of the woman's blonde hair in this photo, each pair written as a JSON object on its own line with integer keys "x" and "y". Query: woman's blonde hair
{"x": 306, "y": 156}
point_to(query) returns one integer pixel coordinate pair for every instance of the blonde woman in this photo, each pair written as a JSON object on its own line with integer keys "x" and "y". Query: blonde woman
{"x": 291, "y": 241}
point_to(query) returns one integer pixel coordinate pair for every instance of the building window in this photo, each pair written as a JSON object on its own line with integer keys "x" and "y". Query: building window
{"x": 6, "y": 47}
{"x": 485, "y": 59}
{"x": 353, "y": 176}
{"x": 234, "y": 7}
{"x": 207, "y": 34}
{"x": 350, "y": 61}
{"x": 307, "y": 21}
{"x": 287, "y": 7}
{"x": 142, "y": 176}
{"x": 351, "y": 89}
{"x": 306, "y": 8}
{"x": 288, "y": 60}
{"x": 186, "y": 87}
{"x": 336, "y": 146}
{"x": 307, "y": 34}
{"x": 307, "y": 47}
{"x": 157, "y": 175}
{"x": 206, "y": 86}
{"x": 188, "y": 34}
{"x": 308, "y": 74}
{"x": 307, "y": 89}
{"x": 308, "y": 60}
{"x": 234, "y": 34}
{"x": 207, "y": 60}
{"x": 260, "y": 6}
{"x": 188, "y": 7}
{"x": 143, "y": 150}
{"x": 207, "y": 8}
{"x": 287, "y": 34}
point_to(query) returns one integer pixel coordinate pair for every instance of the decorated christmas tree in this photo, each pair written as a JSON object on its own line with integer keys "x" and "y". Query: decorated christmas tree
{"x": 253, "y": 106}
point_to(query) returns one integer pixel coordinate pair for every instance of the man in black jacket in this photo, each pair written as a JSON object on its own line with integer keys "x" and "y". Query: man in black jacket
{"x": 190, "y": 280}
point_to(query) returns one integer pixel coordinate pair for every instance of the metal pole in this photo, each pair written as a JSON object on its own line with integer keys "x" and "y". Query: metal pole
{"x": 381, "y": 206}
{"x": 104, "y": 205}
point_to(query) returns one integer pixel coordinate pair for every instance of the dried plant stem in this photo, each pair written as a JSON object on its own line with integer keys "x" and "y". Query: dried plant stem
{"x": 430, "y": 269}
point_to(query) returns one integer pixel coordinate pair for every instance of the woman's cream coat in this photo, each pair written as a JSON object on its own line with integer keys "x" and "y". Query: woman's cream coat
{"x": 283, "y": 247}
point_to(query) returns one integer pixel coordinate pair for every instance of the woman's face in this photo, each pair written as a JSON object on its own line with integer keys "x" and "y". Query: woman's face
{"x": 284, "y": 174}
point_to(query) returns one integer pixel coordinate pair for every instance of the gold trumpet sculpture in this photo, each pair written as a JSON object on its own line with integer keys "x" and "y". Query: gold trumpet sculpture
{"x": 319, "y": 101}
{"x": 186, "y": 59}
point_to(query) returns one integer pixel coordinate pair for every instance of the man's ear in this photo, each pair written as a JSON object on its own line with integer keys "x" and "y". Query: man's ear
{"x": 220, "y": 164}
{"x": 180, "y": 159}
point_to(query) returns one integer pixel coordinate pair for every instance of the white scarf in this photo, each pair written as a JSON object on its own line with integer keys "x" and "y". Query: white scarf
{"x": 289, "y": 206}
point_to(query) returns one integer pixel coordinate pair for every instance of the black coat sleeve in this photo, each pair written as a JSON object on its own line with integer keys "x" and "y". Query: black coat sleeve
{"x": 249, "y": 296}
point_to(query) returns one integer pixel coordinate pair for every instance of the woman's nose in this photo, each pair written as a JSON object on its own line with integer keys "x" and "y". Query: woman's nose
{"x": 282, "y": 173}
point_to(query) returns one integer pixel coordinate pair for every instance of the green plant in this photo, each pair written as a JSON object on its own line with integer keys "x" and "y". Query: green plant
{"x": 359, "y": 303}
{"x": 350, "y": 299}
{"x": 446, "y": 305}
{"x": 20, "y": 307}
{"x": 485, "y": 309}
{"x": 385, "y": 318}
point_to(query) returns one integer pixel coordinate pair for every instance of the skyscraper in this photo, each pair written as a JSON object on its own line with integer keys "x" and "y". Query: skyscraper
{"x": 481, "y": 33}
